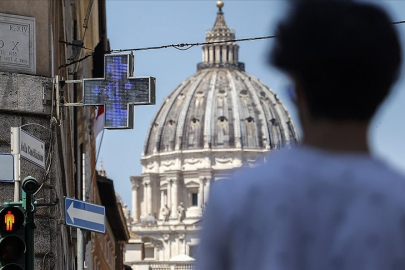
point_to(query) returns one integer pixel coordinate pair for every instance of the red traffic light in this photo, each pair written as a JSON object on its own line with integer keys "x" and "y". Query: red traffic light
{"x": 11, "y": 219}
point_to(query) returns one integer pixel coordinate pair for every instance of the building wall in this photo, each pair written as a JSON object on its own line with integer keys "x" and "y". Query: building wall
{"x": 69, "y": 142}
{"x": 133, "y": 252}
{"x": 42, "y": 11}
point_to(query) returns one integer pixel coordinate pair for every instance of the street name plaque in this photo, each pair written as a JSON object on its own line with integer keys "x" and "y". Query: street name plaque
{"x": 17, "y": 43}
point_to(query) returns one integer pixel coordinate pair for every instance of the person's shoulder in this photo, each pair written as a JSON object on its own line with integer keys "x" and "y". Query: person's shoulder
{"x": 384, "y": 178}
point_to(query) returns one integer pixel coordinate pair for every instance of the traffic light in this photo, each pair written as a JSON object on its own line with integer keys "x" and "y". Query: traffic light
{"x": 12, "y": 238}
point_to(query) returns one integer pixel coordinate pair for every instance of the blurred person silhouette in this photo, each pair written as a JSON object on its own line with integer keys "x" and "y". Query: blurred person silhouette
{"x": 326, "y": 204}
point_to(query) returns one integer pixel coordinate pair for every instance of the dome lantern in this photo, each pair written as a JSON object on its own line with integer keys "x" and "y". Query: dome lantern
{"x": 220, "y": 54}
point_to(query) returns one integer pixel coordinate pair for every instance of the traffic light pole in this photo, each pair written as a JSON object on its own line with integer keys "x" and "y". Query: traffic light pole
{"x": 15, "y": 150}
{"x": 28, "y": 204}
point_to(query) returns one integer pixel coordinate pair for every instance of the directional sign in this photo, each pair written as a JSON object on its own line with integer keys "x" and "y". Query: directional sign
{"x": 118, "y": 92}
{"x": 6, "y": 167}
{"x": 84, "y": 215}
{"x": 32, "y": 149}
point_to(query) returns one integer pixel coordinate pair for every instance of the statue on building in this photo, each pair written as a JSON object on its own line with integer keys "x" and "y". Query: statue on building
{"x": 180, "y": 212}
{"x": 165, "y": 212}
{"x": 203, "y": 206}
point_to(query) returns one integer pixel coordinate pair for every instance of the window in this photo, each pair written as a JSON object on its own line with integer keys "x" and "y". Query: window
{"x": 193, "y": 251}
{"x": 149, "y": 253}
{"x": 194, "y": 199}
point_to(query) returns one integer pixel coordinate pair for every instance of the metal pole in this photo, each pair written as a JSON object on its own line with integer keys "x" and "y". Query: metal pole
{"x": 57, "y": 98}
{"x": 28, "y": 204}
{"x": 15, "y": 150}
{"x": 80, "y": 250}
{"x": 79, "y": 183}
{"x": 80, "y": 236}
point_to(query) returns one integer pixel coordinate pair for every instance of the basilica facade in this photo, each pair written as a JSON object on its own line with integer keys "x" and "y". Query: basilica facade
{"x": 215, "y": 121}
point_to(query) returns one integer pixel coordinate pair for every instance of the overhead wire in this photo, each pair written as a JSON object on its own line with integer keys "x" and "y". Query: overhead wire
{"x": 179, "y": 46}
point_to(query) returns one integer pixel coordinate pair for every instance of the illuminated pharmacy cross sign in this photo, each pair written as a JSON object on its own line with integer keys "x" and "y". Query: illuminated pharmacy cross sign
{"x": 119, "y": 91}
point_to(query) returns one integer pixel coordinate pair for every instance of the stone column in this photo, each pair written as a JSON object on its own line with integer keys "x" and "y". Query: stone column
{"x": 178, "y": 246}
{"x": 162, "y": 199}
{"x": 207, "y": 190}
{"x": 149, "y": 199}
{"x": 201, "y": 193}
{"x": 169, "y": 194}
{"x": 230, "y": 54}
{"x": 211, "y": 54}
{"x": 135, "y": 213}
{"x": 145, "y": 200}
{"x": 217, "y": 53}
{"x": 174, "y": 198}
{"x": 205, "y": 54}
{"x": 236, "y": 54}
{"x": 224, "y": 59}
{"x": 166, "y": 246}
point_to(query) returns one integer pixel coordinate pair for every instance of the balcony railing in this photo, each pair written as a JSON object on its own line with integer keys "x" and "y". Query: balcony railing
{"x": 171, "y": 266}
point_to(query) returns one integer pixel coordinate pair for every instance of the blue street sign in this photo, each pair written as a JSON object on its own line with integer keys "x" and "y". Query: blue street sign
{"x": 118, "y": 91}
{"x": 84, "y": 215}
{"x": 6, "y": 167}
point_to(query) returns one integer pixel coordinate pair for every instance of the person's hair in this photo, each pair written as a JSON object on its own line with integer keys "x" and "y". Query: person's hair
{"x": 344, "y": 55}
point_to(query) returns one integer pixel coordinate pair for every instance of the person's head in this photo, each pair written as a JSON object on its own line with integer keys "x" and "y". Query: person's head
{"x": 342, "y": 56}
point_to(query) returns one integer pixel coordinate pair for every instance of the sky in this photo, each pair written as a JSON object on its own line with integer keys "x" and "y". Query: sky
{"x": 135, "y": 24}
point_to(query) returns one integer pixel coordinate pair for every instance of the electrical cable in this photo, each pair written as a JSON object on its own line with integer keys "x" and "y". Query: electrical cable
{"x": 34, "y": 124}
{"x": 180, "y": 46}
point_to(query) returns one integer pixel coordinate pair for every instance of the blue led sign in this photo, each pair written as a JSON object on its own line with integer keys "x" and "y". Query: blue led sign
{"x": 119, "y": 91}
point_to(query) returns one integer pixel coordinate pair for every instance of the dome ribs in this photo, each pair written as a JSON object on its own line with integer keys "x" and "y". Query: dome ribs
{"x": 219, "y": 108}
{"x": 263, "y": 137}
{"x": 193, "y": 131}
{"x": 208, "y": 111}
{"x": 222, "y": 131}
{"x": 153, "y": 138}
{"x": 184, "y": 110}
{"x": 235, "y": 110}
{"x": 163, "y": 142}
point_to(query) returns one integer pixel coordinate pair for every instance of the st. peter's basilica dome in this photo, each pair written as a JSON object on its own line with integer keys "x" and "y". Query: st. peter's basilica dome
{"x": 220, "y": 107}
{"x": 214, "y": 122}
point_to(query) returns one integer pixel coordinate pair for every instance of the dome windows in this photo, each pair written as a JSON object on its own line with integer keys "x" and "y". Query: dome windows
{"x": 195, "y": 121}
{"x": 244, "y": 92}
{"x": 250, "y": 120}
{"x": 274, "y": 122}
{"x": 222, "y": 119}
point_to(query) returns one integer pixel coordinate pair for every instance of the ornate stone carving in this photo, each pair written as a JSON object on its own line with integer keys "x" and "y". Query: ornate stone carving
{"x": 181, "y": 236}
{"x": 165, "y": 212}
{"x": 180, "y": 212}
{"x": 150, "y": 165}
{"x": 192, "y": 161}
{"x": 166, "y": 236}
{"x": 168, "y": 163}
{"x": 223, "y": 160}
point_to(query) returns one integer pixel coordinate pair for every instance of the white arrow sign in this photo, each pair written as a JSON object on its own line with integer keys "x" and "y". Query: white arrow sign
{"x": 84, "y": 215}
